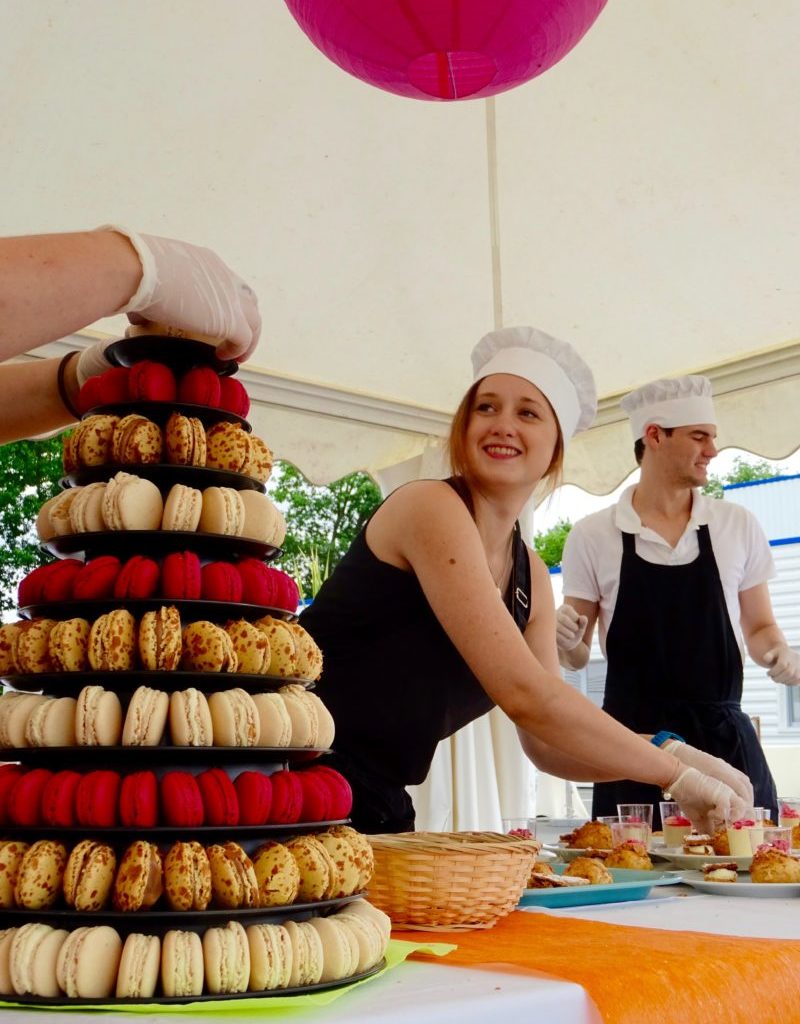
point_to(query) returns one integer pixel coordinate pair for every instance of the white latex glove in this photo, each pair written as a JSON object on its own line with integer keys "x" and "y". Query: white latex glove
{"x": 784, "y": 664}
{"x": 706, "y": 801}
{"x": 713, "y": 766}
{"x": 188, "y": 287}
{"x": 570, "y": 628}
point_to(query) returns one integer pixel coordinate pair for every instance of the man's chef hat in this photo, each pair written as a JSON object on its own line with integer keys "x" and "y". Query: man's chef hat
{"x": 553, "y": 366}
{"x": 675, "y": 402}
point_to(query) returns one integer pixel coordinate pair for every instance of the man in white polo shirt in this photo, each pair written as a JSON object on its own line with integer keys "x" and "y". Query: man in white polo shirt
{"x": 678, "y": 582}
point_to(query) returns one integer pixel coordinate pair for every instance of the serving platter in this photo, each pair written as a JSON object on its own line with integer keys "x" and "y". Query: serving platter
{"x": 71, "y": 683}
{"x": 190, "y": 610}
{"x": 121, "y": 836}
{"x": 628, "y": 885}
{"x": 163, "y": 755}
{"x": 213, "y": 546}
{"x": 752, "y": 890}
{"x": 164, "y": 475}
{"x": 695, "y": 861}
{"x": 180, "y": 354}
{"x": 569, "y": 853}
{"x": 160, "y": 412}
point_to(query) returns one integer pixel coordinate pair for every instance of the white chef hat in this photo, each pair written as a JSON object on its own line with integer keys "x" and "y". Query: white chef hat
{"x": 672, "y": 402}
{"x": 553, "y": 366}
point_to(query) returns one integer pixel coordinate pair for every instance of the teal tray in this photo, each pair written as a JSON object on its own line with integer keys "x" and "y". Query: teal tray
{"x": 627, "y": 885}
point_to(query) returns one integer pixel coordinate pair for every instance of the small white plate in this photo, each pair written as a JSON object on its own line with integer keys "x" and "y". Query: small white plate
{"x": 762, "y": 890}
{"x": 695, "y": 861}
{"x": 569, "y": 853}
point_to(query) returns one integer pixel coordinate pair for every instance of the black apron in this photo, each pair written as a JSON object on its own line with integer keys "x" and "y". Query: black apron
{"x": 674, "y": 663}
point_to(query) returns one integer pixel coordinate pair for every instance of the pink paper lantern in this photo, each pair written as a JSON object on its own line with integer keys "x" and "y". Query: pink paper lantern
{"x": 445, "y": 49}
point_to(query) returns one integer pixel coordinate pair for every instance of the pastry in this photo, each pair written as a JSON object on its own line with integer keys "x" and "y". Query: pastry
{"x": 228, "y": 447}
{"x": 137, "y": 441}
{"x": 721, "y": 872}
{"x": 97, "y": 799}
{"x": 207, "y": 648}
{"x": 220, "y": 581}
{"x": 181, "y": 800}
{"x": 251, "y": 646}
{"x": 182, "y": 964}
{"x": 275, "y": 723}
{"x": 57, "y": 802}
{"x": 220, "y": 800}
{"x": 52, "y": 723}
{"x": 550, "y": 880}
{"x": 32, "y": 958}
{"x": 96, "y": 579}
{"x": 190, "y": 719}
{"x": 630, "y": 854}
{"x": 138, "y": 800}
{"x": 233, "y": 396}
{"x": 131, "y": 503}
{"x": 308, "y": 654}
{"x": 317, "y": 871}
{"x": 88, "y": 961}
{"x": 33, "y": 650}
{"x": 283, "y": 646}
{"x": 222, "y": 512}
{"x": 593, "y": 835}
{"x": 149, "y": 381}
{"x": 187, "y": 877}
{"x": 306, "y": 953}
{"x": 270, "y": 957}
{"x": 235, "y": 719}
{"x": 340, "y": 952}
{"x": 139, "y": 881}
{"x": 277, "y": 874}
{"x": 771, "y": 865}
{"x": 343, "y": 856}
{"x": 226, "y": 954}
{"x": 11, "y": 853}
{"x": 254, "y": 791}
{"x": 40, "y": 875}
{"x": 287, "y": 798}
{"x": 181, "y": 576}
{"x": 137, "y": 976}
{"x": 112, "y": 642}
{"x": 259, "y": 463}
{"x": 590, "y": 868}
{"x": 89, "y": 875}
{"x": 138, "y": 579}
{"x": 233, "y": 878}
{"x": 700, "y": 844}
{"x": 24, "y": 803}
{"x": 69, "y": 645}
{"x": 263, "y": 520}
{"x": 98, "y": 717}
{"x": 160, "y": 642}
{"x": 185, "y": 441}
{"x": 199, "y": 386}
{"x": 182, "y": 509}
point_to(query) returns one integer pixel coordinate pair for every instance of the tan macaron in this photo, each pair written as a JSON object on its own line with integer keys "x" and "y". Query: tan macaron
{"x": 89, "y": 875}
{"x": 160, "y": 641}
{"x": 9, "y": 641}
{"x": 146, "y": 718}
{"x": 33, "y": 646}
{"x": 283, "y": 646}
{"x": 317, "y": 870}
{"x": 40, "y": 875}
{"x": 112, "y": 642}
{"x": 227, "y": 447}
{"x": 137, "y": 440}
{"x": 276, "y": 725}
{"x": 98, "y": 717}
{"x": 182, "y": 509}
{"x": 226, "y": 955}
{"x": 302, "y": 708}
{"x": 52, "y": 723}
{"x": 233, "y": 878}
{"x": 222, "y": 512}
{"x": 185, "y": 440}
{"x": 11, "y": 853}
{"x": 251, "y": 645}
{"x": 190, "y": 722}
{"x": 140, "y": 881}
{"x": 309, "y": 656}
{"x": 277, "y": 873}
{"x": 206, "y": 647}
{"x": 69, "y": 645}
{"x": 235, "y": 719}
{"x": 187, "y": 876}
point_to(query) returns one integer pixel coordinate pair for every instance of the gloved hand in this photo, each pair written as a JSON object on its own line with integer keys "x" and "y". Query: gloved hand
{"x": 188, "y": 287}
{"x": 570, "y": 628}
{"x": 706, "y": 801}
{"x": 713, "y": 766}
{"x": 784, "y": 664}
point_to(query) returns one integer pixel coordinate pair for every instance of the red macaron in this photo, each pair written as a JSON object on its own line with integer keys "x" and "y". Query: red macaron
{"x": 220, "y": 800}
{"x": 25, "y": 797}
{"x": 221, "y": 582}
{"x": 138, "y": 800}
{"x": 180, "y": 576}
{"x": 181, "y": 800}
{"x": 9, "y": 775}
{"x": 90, "y": 395}
{"x": 138, "y": 579}
{"x": 95, "y": 581}
{"x": 254, "y": 790}
{"x": 57, "y": 584}
{"x": 287, "y": 593}
{"x": 151, "y": 382}
{"x": 340, "y": 790}
{"x": 200, "y": 386}
{"x": 58, "y": 799}
{"x": 114, "y": 386}
{"x": 257, "y": 582}
{"x": 233, "y": 397}
{"x": 97, "y": 799}
{"x": 317, "y": 798}
{"x": 31, "y": 588}
{"x": 287, "y": 798}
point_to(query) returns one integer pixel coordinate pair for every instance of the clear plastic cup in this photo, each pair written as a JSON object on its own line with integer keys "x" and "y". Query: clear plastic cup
{"x": 674, "y": 823}
{"x": 745, "y": 834}
{"x": 789, "y": 811}
{"x": 774, "y": 836}
{"x": 523, "y": 828}
{"x": 630, "y": 827}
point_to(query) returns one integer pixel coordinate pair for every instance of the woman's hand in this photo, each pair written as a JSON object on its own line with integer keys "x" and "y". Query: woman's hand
{"x": 706, "y": 801}
{"x": 713, "y": 766}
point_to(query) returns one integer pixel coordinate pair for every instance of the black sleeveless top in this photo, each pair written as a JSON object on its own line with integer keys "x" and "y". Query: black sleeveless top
{"x": 392, "y": 678}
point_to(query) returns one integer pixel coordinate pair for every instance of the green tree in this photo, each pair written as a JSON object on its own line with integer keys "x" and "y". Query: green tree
{"x": 550, "y": 544}
{"x": 29, "y": 475}
{"x": 321, "y": 521}
{"x": 741, "y": 472}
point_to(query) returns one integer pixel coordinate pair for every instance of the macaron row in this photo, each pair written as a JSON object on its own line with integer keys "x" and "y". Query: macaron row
{"x": 179, "y": 576}
{"x": 291, "y": 717}
{"x": 94, "y": 963}
{"x": 150, "y": 381}
{"x": 116, "y": 642}
{"x": 105, "y": 439}
{"x": 129, "y": 502}
{"x": 187, "y": 877}
{"x": 105, "y": 799}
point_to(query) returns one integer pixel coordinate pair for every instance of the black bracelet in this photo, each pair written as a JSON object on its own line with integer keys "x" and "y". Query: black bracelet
{"x": 62, "y": 390}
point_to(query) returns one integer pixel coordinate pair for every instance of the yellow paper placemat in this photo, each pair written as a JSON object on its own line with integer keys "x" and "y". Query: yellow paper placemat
{"x": 397, "y": 952}
{"x": 636, "y": 975}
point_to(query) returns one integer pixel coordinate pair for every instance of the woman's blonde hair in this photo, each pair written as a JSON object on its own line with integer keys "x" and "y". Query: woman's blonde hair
{"x": 457, "y": 446}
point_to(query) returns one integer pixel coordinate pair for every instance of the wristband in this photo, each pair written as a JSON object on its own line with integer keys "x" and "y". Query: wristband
{"x": 62, "y": 388}
{"x": 660, "y": 737}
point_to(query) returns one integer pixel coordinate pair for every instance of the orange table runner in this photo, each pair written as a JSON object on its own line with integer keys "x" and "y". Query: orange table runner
{"x": 640, "y": 974}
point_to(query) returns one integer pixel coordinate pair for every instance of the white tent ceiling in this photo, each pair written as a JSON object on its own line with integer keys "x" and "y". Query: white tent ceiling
{"x": 640, "y": 199}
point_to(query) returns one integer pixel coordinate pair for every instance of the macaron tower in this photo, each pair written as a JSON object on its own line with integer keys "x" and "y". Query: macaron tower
{"x": 167, "y": 830}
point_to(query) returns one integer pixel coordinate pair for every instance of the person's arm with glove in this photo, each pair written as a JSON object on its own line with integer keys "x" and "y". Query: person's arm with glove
{"x": 707, "y": 802}
{"x": 765, "y": 641}
{"x": 713, "y": 766}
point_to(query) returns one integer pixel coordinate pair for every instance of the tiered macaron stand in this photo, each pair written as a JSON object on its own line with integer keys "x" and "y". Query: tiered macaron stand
{"x": 180, "y": 355}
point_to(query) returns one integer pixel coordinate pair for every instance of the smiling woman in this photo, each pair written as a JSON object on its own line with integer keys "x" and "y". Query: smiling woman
{"x": 417, "y": 642}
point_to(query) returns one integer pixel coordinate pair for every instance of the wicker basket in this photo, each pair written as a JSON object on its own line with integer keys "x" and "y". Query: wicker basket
{"x": 449, "y": 881}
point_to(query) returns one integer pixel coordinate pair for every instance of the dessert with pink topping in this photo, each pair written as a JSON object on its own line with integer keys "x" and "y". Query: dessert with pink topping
{"x": 743, "y": 836}
{"x": 675, "y": 827}
{"x": 789, "y": 814}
